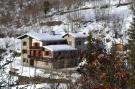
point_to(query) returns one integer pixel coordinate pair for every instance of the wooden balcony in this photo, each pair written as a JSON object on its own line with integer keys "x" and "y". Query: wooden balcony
{"x": 36, "y": 53}
{"x": 38, "y": 58}
{"x": 35, "y": 48}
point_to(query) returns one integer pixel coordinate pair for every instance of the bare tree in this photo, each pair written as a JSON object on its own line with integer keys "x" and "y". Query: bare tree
{"x": 6, "y": 80}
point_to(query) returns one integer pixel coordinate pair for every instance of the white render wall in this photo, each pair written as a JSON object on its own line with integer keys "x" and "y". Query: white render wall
{"x": 27, "y": 47}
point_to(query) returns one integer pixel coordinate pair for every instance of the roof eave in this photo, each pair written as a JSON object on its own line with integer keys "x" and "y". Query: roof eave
{"x": 22, "y": 36}
{"x": 26, "y": 35}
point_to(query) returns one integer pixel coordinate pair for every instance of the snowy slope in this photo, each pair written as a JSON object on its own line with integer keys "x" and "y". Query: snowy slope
{"x": 85, "y": 22}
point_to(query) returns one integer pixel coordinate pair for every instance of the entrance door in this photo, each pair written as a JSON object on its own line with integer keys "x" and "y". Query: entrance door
{"x": 31, "y": 62}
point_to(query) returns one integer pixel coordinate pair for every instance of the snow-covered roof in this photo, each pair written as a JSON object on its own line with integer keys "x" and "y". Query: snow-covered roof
{"x": 43, "y": 36}
{"x": 59, "y": 47}
{"x": 77, "y": 35}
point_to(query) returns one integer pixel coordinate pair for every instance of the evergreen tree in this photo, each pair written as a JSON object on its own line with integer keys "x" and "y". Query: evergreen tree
{"x": 131, "y": 61}
{"x": 102, "y": 70}
{"x": 46, "y": 6}
{"x": 94, "y": 72}
{"x": 90, "y": 46}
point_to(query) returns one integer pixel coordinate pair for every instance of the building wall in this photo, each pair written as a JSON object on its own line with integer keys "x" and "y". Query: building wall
{"x": 44, "y": 65}
{"x": 59, "y": 59}
{"x": 50, "y": 55}
{"x": 65, "y": 54}
{"x": 65, "y": 59}
{"x": 24, "y": 56}
{"x": 64, "y": 63}
{"x": 70, "y": 40}
{"x": 74, "y": 42}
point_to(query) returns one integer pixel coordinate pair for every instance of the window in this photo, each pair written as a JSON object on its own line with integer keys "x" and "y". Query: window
{"x": 24, "y": 59}
{"x": 36, "y": 44}
{"x": 34, "y": 52}
{"x": 46, "y": 52}
{"x": 59, "y": 53}
{"x": 27, "y": 61}
{"x": 72, "y": 56}
{"x": 78, "y": 42}
{"x": 24, "y": 51}
{"x": 24, "y": 43}
{"x": 39, "y": 53}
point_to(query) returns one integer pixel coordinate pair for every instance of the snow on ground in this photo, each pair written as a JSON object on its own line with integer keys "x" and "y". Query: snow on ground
{"x": 25, "y": 71}
{"x": 14, "y": 44}
{"x": 42, "y": 86}
{"x": 122, "y": 12}
{"x": 31, "y": 72}
{"x": 68, "y": 73}
{"x": 10, "y": 43}
{"x": 88, "y": 14}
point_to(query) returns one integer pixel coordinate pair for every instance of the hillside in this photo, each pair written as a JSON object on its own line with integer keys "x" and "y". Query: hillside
{"x": 106, "y": 19}
{"x": 109, "y": 20}
{"x": 28, "y": 14}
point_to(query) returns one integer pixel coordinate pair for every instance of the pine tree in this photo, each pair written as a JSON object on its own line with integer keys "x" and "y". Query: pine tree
{"x": 131, "y": 61}
{"x": 46, "y": 6}
{"x": 102, "y": 70}
{"x": 90, "y": 46}
{"x": 94, "y": 72}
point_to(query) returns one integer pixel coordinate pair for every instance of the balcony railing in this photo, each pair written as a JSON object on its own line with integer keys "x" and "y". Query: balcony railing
{"x": 36, "y": 53}
{"x": 39, "y": 58}
{"x": 36, "y": 47}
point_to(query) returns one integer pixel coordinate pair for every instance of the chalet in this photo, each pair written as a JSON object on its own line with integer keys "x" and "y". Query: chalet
{"x": 47, "y": 50}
